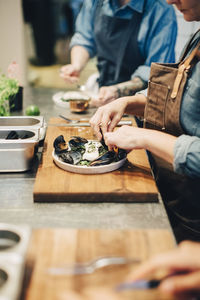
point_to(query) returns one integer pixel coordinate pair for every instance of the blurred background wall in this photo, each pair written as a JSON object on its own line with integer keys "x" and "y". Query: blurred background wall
{"x": 185, "y": 30}
{"x": 12, "y": 42}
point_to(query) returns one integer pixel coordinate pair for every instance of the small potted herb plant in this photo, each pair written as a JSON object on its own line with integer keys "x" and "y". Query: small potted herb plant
{"x": 10, "y": 94}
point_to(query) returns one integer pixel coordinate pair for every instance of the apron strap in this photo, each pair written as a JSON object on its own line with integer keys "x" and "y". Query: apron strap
{"x": 185, "y": 65}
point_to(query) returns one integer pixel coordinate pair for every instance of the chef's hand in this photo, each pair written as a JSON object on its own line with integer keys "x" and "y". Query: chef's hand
{"x": 126, "y": 137}
{"x": 106, "y": 95}
{"x": 185, "y": 259}
{"x": 108, "y": 116}
{"x": 70, "y": 73}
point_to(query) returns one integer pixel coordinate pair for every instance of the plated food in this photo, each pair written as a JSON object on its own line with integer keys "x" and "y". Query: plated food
{"x": 78, "y": 105}
{"x": 84, "y": 156}
{"x": 77, "y": 101}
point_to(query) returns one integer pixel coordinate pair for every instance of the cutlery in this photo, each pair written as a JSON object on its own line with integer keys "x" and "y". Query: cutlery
{"x": 102, "y": 139}
{"x": 143, "y": 284}
{"x": 87, "y": 124}
{"x": 91, "y": 266}
{"x": 71, "y": 120}
{"x": 138, "y": 285}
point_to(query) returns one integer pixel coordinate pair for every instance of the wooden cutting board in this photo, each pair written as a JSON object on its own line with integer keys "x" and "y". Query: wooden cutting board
{"x": 131, "y": 183}
{"x": 55, "y": 247}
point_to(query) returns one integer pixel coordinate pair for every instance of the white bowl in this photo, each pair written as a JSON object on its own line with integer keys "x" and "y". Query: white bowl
{"x": 85, "y": 169}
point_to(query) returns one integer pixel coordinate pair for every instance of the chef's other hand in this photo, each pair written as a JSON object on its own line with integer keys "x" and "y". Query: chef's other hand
{"x": 70, "y": 73}
{"x": 185, "y": 261}
{"x": 108, "y": 116}
{"x": 126, "y": 137}
{"x": 106, "y": 95}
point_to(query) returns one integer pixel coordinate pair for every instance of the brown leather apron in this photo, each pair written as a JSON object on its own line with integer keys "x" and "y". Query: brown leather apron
{"x": 181, "y": 194}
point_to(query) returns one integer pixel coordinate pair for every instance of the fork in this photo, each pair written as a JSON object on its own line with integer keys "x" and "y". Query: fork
{"x": 71, "y": 120}
{"x": 91, "y": 266}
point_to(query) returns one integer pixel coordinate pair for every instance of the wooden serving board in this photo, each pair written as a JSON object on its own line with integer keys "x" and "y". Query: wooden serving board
{"x": 131, "y": 183}
{"x": 56, "y": 247}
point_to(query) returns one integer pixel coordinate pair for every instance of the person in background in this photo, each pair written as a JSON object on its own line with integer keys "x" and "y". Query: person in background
{"x": 51, "y": 21}
{"x": 126, "y": 36}
{"x": 67, "y": 15}
{"x": 39, "y": 14}
{"x": 75, "y": 6}
{"x": 171, "y": 130}
{"x": 183, "y": 263}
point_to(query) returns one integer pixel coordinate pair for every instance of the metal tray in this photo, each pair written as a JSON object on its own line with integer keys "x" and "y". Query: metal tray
{"x": 16, "y": 155}
{"x": 25, "y": 122}
{"x": 13, "y": 246}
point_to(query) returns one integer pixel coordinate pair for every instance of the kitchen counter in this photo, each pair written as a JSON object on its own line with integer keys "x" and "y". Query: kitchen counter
{"x": 16, "y": 190}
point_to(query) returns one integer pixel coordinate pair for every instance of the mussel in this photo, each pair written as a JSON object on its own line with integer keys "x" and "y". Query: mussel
{"x": 13, "y": 135}
{"x": 74, "y": 152}
{"x": 104, "y": 159}
{"x": 71, "y": 157}
{"x": 121, "y": 154}
{"x": 60, "y": 145}
{"x": 77, "y": 142}
{"x": 108, "y": 158}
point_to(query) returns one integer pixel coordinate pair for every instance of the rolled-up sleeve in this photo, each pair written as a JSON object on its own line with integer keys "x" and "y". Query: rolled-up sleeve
{"x": 157, "y": 38}
{"x": 84, "y": 35}
{"x": 143, "y": 72}
{"x": 187, "y": 156}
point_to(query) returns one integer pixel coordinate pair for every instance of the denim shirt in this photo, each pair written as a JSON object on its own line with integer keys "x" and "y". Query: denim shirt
{"x": 187, "y": 147}
{"x": 156, "y": 37}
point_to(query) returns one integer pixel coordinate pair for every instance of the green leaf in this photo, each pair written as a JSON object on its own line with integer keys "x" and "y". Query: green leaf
{"x": 8, "y": 87}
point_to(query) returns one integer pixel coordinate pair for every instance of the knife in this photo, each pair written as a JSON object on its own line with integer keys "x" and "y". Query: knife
{"x": 87, "y": 124}
{"x": 138, "y": 285}
{"x": 144, "y": 284}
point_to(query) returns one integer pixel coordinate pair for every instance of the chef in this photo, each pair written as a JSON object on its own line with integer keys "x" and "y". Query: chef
{"x": 172, "y": 121}
{"x": 126, "y": 36}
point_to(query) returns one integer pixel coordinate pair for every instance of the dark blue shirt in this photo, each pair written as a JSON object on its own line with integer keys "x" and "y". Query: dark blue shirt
{"x": 187, "y": 147}
{"x": 157, "y": 34}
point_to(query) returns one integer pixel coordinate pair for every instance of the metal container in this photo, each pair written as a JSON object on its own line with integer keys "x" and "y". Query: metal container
{"x": 25, "y": 122}
{"x": 13, "y": 246}
{"x": 16, "y": 155}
